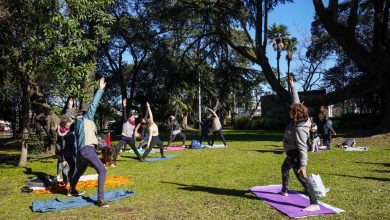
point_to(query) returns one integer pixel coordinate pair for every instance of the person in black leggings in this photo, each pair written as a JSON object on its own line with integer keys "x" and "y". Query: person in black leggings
{"x": 153, "y": 135}
{"x": 295, "y": 144}
{"x": 175, "y": 129}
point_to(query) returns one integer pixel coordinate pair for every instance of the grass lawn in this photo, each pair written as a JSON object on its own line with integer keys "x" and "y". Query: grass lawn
{"x": 213, "y": 183}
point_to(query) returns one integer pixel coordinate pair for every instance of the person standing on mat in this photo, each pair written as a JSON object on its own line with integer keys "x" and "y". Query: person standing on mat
{"x": 204, "y": 129}
{"x": 144, "y": 133}
{"x": 295, "y": 144}
{"x": 217, "y": 127}
{"x": 128, "y": 136}
{"x": 175, "y": 129}
{"x": 153, "y": 135}
{"x": 86, "y": 147}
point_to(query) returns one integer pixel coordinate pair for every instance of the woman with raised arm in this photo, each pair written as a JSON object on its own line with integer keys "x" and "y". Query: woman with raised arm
{"x": 153, "y": 134}
{"x": 128, "y": 135}
{"x": 217, "y": 127}
{"x": 86, "y": 147}
{"x": 175, "y": 129}
{"x": 295, "y": 144}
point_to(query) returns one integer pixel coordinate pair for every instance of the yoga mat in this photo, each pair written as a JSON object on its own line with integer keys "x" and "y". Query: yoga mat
{"x": 292, "y": 204}
{"x": 143, "y": 151}
{"x": 175, "y": 148}
{"x": 154, "y": 159}
{"x": 56, "y": 204}
{"x": 359, "y": 149}
{"x": 216, "y": 146}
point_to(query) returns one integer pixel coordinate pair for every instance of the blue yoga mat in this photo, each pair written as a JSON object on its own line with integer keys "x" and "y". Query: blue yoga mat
{"x": 154, "y": 159}
{"x": 56, "y": 204}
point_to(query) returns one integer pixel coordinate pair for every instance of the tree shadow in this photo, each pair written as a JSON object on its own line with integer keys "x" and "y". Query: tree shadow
{"x": 364, "y": 177}
{"x": 381, "y": 171}
{"x": 375, "y": 163}
{"x": 214, "y": 190}
{"x": 267, "y": 151}
{"x": 29, "y": 171}
{"x": 9, "y": 159}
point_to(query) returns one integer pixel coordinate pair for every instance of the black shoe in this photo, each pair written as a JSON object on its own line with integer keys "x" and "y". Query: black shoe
{"x": 75, "y": 193}
{"x": 102, "y": 203}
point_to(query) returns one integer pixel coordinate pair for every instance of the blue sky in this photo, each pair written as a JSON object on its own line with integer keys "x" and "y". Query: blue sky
{"x": 297, "y": 17}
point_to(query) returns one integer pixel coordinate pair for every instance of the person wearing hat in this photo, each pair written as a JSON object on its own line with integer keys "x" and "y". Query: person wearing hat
{"x": 128, "y": 136}
{"x": 175, "y": 129}
{"x": 86, "y": 147}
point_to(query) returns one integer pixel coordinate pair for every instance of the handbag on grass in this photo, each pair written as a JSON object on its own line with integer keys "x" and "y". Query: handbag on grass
{"x": 318, "y": 186}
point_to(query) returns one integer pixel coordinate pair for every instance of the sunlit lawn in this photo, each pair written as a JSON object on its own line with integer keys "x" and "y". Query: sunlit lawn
{"x": 213, "y": 183}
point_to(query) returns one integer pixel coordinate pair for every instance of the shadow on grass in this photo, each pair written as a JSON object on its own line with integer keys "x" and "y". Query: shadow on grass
{"x": 9, "y": 159}
{"x": 363, "y": 177}
{"x": 381, "y": 171}
{"x": 29, "y": 171}
{"x": 214, "y": 190}
{"x": 374, "y": 163}
{"x": 267, "y": 151}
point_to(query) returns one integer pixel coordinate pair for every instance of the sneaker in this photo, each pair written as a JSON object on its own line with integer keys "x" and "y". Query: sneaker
{"x": 75, "y": 193}
{"x": 102, "y": 203}
{"x": 113, "y": 165}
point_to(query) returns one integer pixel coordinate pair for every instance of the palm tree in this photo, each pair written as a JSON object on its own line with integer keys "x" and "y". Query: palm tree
{"x": 276, "y": 36}
{"x": 290, "y": 47}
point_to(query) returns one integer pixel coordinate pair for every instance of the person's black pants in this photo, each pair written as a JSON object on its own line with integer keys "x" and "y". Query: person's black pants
{"x": 155, "y": 141}
{"x": 181, "y": 134}
{"x": 292, "y": 161}
{"x": 125, "y": 140}
{"x": 220, "y": 135}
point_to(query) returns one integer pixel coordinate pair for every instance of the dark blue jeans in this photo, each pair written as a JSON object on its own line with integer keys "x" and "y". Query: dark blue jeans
{"x": 87, "y": 155}
{"x": 327, "y": 140}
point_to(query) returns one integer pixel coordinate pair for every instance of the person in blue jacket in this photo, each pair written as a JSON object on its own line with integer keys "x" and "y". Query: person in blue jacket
{"x": 87, "y": 141}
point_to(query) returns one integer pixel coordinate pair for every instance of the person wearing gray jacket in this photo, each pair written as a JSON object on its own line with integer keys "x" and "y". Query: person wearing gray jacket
{"x": 295, "y": 144}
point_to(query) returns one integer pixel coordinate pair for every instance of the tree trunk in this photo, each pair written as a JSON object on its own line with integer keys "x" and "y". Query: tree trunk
{"x": 288, "y": 74}
{"x": 24, "y": 124}
{"x": 277, "y": 63}
{"x": 24, "y": 150}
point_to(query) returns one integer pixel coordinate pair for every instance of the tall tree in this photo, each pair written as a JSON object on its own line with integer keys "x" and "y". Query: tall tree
{"x": 277, "y": 35}
{"x": 372, "y": 54}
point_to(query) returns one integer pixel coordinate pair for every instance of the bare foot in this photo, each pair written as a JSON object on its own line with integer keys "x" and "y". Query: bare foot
{"x": 312, "y": 208}
{"x": 283, "y": 193}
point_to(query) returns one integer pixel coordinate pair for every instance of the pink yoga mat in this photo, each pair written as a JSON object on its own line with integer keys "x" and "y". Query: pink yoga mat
{"x": 175, "y": 148}
{"x": 292, "y": 204}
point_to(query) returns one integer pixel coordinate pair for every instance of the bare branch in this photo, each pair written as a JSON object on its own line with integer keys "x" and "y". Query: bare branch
{"x": 352, "y": 19}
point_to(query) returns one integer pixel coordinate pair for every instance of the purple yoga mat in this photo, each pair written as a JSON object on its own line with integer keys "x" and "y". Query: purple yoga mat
{"x": 290, "y": 205}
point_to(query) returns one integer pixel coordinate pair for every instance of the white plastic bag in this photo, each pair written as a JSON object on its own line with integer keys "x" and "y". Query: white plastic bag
{"x": 318, "y": 186}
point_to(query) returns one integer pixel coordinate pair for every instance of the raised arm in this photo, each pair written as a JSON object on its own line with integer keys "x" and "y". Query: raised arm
{"x": 149, "y": 111}
{"x": 90, "y": 114}
{"x": 213, "y": 112}
{"x": 294, "y": 93}
{"x": 124, "y": 110}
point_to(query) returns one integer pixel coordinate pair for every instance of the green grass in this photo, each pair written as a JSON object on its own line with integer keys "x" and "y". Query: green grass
{"x": 213, "y": 183}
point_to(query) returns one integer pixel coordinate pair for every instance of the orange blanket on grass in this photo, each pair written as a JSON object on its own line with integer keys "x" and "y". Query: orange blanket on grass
{"x": 110, "y": 181}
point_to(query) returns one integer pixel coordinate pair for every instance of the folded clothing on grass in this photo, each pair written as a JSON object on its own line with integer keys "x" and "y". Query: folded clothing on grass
{"x": 60, "y": 187}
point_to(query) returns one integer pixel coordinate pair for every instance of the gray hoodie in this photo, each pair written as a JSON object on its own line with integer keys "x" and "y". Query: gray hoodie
{"x": 296, "y": 135}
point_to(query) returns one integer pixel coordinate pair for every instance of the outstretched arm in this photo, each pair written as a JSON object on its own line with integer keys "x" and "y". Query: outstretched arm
{"x": 213, "y": 112}
{"x": 149, "y": 111}
{"x": 294, "y": 93}
{"x": 95, "y": 102}
{"x": 124, "y": 110}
